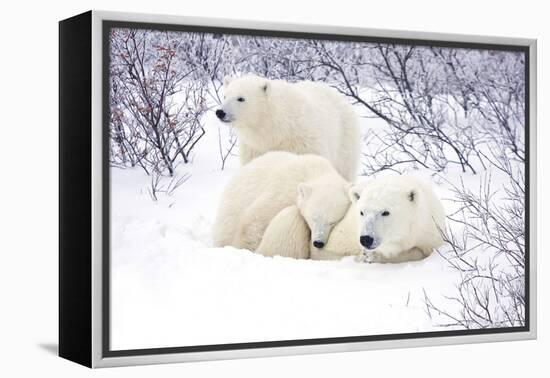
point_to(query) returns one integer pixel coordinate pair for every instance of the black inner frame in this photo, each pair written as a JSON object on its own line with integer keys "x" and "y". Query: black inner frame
{"x": 107, "y": 25}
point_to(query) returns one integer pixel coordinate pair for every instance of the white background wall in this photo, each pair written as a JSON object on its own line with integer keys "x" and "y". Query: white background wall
{"x": 28, "y": 185}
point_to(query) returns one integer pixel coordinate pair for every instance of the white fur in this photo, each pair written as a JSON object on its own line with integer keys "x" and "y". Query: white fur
{"x": 342, "y": 240}
{"x": 287, "y": 235}
{"x": 303, "y": 118}
{"x": 271, "y": 183}
{"x": 413, "y": 226}
{"x": 321, "y": 205}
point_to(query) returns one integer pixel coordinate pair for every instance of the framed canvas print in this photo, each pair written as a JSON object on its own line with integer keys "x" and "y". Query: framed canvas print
{"x": 236, "y": 189}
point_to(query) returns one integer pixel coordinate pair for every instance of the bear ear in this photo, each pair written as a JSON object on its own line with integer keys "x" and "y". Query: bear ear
{"x": 304, "y": 191}
{"x": 412, "y": 195}
{"x": 354, "y": 193}
{"x": 227, "y": 80}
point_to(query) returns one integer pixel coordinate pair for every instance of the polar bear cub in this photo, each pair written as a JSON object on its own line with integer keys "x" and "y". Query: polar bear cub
{"x": 268, "y": 185}
{"x": 303, "y": 118}
{"x": 305, "y": 227}
{"x": 399, "y": 219}
{"x": 342, "y": 241}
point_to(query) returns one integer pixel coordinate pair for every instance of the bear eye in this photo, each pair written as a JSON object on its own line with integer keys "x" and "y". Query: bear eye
{"x": 240, "y": 99}
{"x": 361, "y": 213}
{"x": 385, "y": 213}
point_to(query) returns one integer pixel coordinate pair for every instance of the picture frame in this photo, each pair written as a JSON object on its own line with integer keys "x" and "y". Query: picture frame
{"x": 86, "y": 203}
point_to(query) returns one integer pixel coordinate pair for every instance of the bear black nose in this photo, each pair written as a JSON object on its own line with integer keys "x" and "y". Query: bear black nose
{"x": 220, "y": 114}
{"x": 318, "y": 244}
{"x": 366, "y": 241}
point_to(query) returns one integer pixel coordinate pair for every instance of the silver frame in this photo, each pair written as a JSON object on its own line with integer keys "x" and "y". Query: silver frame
{"x": 98, "y": 360}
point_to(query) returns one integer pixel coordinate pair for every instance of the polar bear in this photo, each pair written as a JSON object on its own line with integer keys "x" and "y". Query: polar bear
{"x": 342, "y": 241}
{"x": 270, "y": 183}
{"x": 399, "y": 219}
{"x": 289, "y": 235}
{"x": 303, "y": 118}
{"x": 306, "y": 226}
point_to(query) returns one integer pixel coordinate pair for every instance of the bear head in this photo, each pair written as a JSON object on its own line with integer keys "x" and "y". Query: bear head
{"x": 323, "y": 203}
{"x": 244, "y": 101}
{"x": 386, "y": 210}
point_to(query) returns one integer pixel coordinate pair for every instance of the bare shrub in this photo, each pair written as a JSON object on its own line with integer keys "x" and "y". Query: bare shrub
{"x": 486, "y": 244}
{"x": 161, "y": 184}
{"x": 155, "y": 108}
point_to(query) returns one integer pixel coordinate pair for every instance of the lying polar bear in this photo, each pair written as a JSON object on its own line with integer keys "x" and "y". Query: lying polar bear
{"x": 399, "y": 218}
{"x": 342, "y": 241}
{"x": 288, "y": 235}
{"x": 272, "y": 183}
{"x": 316, "y": 212}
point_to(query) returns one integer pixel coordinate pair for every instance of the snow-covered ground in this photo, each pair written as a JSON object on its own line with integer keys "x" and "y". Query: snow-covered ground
{"x": 169, "y": 287}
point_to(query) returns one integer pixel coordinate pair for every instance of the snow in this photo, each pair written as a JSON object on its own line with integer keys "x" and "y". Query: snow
{"x": 169, "y": 287}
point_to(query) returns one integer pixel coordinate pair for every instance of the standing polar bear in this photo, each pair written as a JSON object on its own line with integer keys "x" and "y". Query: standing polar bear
{"x": 399, "y": 218}
{"x": 303, "y": 118}
{"x": 272, "y": 183}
